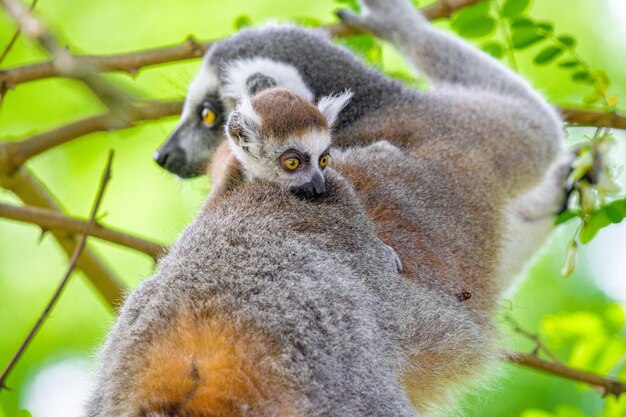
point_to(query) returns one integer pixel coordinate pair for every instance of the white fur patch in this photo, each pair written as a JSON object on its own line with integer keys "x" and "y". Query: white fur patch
{"x": 529, "y": 220}
{"x": 331, "y": 106}
{"x": 238, "y": 72}
{"x": 205, "y": 82}
{"x": 314, "y": 142}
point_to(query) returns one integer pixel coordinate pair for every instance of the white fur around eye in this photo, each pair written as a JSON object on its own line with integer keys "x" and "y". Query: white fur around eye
{"x": 205, "y": 82}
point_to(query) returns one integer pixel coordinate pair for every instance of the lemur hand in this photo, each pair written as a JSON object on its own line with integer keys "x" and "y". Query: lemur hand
{"x": 394, "y": 258}
{"x": 383, "y": 18}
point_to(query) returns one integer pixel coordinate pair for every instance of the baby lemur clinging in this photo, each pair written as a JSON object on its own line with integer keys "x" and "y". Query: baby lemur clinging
{"x": 282, "y": 138}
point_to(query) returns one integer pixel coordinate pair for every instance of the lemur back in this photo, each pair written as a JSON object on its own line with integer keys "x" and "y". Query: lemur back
{"x": 266, "y": 306}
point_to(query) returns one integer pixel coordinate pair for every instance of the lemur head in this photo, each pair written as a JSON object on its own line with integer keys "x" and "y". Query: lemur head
{"x": 279, "y": 136}
{"x": 227, "y": 74}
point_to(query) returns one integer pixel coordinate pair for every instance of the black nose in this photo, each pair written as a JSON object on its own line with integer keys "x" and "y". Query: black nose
{"x": 313, "y": 188}
{"x": 171, "y": 158}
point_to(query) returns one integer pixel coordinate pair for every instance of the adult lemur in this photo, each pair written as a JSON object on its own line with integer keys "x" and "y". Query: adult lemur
{"x": 274, "y": 305}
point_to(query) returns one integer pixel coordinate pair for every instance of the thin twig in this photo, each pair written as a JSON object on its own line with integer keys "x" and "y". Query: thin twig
{"x": 539, "y": 345}
{"x": 16, "y": 153}
{"x": 53, "y": 220}
{"x": 32, "y": 192}
{"x": 72, "y": 264}
{"x": 64, "y": 62}
{"x": 16, "y": 35}
{"x": 597, "y": 118}
{"x": 606, "y": 384}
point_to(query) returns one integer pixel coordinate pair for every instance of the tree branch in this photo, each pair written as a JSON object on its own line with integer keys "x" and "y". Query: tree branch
{"x": 72, "y": 265}
{"x": 53, "y": 220}
{"x": 65, "y": 63}
{"x": 28, "y": 189}
{"x": 134, "y": 61}
{"x": 606, "y": 384}
{"x": 14, "y": 154}
{"x": 586, "y": 117}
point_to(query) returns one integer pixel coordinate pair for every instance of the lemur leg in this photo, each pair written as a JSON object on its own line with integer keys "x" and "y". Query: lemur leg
{"x": 530, "y": 220}
{"x": 441, "y": 57}
{"x": 479, "y": 104}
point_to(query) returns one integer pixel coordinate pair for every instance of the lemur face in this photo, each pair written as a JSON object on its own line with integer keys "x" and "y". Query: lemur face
{"x": 188, "y": 149}
{"x": 281, "y": 137}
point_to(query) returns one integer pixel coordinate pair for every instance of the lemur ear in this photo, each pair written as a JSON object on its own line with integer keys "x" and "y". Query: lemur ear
{"x": 243, "y": 126}
{"x": 258, "y": 82}
{"x": 330, "y": 106}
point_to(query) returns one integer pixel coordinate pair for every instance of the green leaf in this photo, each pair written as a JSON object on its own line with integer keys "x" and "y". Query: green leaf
{"x": 23, "y": 413}
{"x": 514, "y": 8}
{"x": 476, "y": 28}
{"x": 547, "y": 26}
{"x": 522, "y": 22}
{"x": 350, "y": 4}
{"x": 567, "y": 40}
{"x": 493, "y": 48}
{"x": 570, "y": 63}
{"x": 614, "y": 317}
{"x": 474, "y": 21}
{"x": 611, "y": 213}
{"x": 307, "y": 21}
{"x": 566, "y": 216}
{"x": 592, "y": 98}
{"x": 242, "y": 22}
{"x": 366, "y": 46}
{"x": 547, "y": 55}
{"x": 525, "y": 37}
{"x": 582, "y": 77}
{"x": 616, "y": 210}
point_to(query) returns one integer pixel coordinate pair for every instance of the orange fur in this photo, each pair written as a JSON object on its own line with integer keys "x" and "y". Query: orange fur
{"x": 212, "y": 368}
{"x": 225, "y": 172}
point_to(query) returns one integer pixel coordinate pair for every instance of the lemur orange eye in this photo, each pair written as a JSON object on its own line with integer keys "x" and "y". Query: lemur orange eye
{"x": 291, "y": 163}
{"x": 208, "y": 116}
{"x": 324, "y": 160}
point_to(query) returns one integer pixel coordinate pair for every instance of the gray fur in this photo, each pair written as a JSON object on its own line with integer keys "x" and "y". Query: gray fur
{"x": 337, "y": 311}
{"x": 450, "y": 191}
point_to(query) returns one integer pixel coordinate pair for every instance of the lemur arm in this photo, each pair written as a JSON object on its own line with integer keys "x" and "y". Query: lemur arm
{"x": 441, "y": 57}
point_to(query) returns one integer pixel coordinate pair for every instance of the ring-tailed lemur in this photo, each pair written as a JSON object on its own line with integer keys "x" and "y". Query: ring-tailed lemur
{"x": 284, "y": 306}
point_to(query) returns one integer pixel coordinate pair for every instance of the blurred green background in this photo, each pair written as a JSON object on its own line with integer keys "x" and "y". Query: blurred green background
{"x": 580, "y": 318}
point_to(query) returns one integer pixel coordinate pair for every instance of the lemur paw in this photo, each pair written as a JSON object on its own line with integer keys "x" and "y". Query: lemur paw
{"x": 394, "y": 258}
{"x": 382, "y": 18}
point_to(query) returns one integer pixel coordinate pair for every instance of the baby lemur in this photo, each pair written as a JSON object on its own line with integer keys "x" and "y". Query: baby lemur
{"x": 280, "y": 137}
